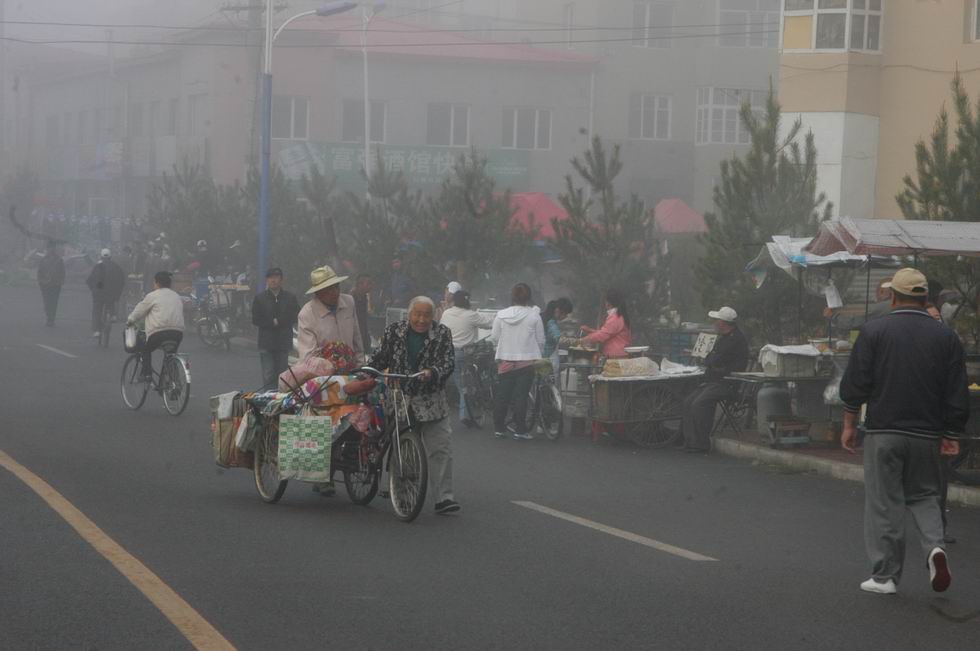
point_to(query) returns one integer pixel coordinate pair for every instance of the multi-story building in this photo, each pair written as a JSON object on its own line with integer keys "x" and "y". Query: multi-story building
{"x": 100, "y": 139}
{"x": 869, "y": 78}
{"x": 670, "y": 78}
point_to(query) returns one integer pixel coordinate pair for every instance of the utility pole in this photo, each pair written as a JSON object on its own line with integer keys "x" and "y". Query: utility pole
{"x": 3, "y": 92}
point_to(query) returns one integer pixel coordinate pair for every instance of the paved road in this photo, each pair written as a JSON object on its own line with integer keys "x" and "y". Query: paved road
{"x": 313, "y": 573}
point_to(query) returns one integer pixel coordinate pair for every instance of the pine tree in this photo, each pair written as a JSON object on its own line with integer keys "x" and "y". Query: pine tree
{"x": 772, "y": 190}
{"x": 947, "y": 188}
{"x": 607, "y": 242}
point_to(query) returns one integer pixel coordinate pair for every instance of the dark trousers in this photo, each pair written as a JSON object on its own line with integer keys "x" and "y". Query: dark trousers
{"x": 157, "y": 340}
{"x": 512, "y": 392}
{"x": 97, "y": 305}
{"x": 50, "y": 294}
{"x": 274, "y": 363}
{"x": 698, "y": 414}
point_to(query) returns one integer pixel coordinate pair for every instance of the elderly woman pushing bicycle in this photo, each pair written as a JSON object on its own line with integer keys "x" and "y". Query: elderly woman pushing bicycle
{"x": 418, "y": 345}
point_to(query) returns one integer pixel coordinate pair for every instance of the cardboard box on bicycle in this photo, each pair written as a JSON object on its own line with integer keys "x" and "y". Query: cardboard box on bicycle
{"x": 227, "y": 412}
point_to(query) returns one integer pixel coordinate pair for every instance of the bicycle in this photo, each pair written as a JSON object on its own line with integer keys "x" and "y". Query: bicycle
{"x": 478, "y": 377}
{"x": 106, "y": 318}
{"x": 544, "y": 403}
{"x": 963, "y": 468}
{"x": 361, "y": 458}
{"x": 173, "y": 382}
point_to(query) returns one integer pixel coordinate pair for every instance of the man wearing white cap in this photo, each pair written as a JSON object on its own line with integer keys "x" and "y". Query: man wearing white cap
{"x": 106, "y": 282}
{"x": 730, "y": 354}
{"x": 329, "y": 316}
{"x": 910, "y": 371}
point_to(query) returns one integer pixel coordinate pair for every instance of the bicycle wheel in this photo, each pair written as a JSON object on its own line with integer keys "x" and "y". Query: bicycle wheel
{"x": 549, "y": 412}
{"x": 408, "y": 480}
{"x": 174, "y": 386}
{"x": 957, "y": 472}
{"x": 134, "y": 387}
{"x": 267, "y": 481}
{"x": 210, "y": 332}
{"x": 362, "y": 485}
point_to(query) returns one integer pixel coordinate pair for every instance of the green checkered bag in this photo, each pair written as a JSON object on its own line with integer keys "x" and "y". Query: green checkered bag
{"x": 304, "y": 447}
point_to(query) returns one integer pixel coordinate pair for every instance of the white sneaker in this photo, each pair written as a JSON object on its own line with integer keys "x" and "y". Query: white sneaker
{"x": 500, "y": 435}
{"x": 939, "y": 576}
{"x": 96, "y": 334}
{"x": 888, "y": 587}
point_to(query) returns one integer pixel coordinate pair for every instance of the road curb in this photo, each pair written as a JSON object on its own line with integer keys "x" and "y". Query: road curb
{"x": 962, "y": 495}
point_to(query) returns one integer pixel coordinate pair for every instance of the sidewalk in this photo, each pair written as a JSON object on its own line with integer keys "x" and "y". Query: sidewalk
{"x": 829, "y": 462}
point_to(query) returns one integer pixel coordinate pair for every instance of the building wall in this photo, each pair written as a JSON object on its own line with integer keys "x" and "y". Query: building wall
{"x": 894, "y": 96}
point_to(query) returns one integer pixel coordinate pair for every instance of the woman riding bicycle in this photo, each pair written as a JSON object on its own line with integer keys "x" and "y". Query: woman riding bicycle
{"x": 163, "y": 311}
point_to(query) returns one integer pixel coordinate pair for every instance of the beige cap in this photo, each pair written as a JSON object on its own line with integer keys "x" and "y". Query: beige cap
{"x": 724, "y": 314}
{"x": 323, "y": 277}
{"x": 908, "y": 282}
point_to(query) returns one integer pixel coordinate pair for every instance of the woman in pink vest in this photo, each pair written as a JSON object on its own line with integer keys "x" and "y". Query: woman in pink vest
{"x": 614, "y": 335}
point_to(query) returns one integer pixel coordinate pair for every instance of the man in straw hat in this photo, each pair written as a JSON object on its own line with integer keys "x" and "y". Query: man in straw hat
{"x": 910, "y": 371}
{"x": 329, "y": 316}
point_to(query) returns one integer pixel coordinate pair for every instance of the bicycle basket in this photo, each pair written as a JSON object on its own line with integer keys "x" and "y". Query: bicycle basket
{"x": 133, "y": 339}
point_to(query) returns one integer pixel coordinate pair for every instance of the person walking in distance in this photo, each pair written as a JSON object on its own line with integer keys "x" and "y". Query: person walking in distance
{"x": 106, "y": 282}
{"x": 274, "y": 313}
{"x": 363, "y": 286}
{"x": 50, "y": 278}
{"x": 910, "y": 371}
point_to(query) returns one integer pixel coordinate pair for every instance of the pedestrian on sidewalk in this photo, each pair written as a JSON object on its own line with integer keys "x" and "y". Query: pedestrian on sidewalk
{"x": 419, "y": 345}
{"x": 50, "y": 278}
{"x": 730, "y": 354}
{"x": 910, "y": 371}
{"x": 274, "y": 313}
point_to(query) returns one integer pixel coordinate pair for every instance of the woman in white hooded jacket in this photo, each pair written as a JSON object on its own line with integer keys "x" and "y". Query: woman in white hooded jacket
{"x": 520, "y": 339}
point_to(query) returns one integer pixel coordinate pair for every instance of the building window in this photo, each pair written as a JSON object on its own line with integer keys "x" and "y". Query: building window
{"x": 448, "y": 125}
{"x": 568, "y": 22}
{"x": 51, "y": 131}
{"x": 832, "y": 25}
{"x": 98, "y": 126}
{"x": 81, "y": 132}
{"x": 649, "y": 117}
{"x": 748, "y": 23}
{"x": 353, "y": 120}
{"x": 718, "y": 120}
{"x": 526, "y": 128}
{"x": 173, "y": 110}
{"x": 66, "y": 130}
{"x": 651, "y": 24}
{"x": 136, "y": 125}
{"x": 976, "y": 20}
{"x": 290, "y": 117}
{"x": 197, "y": 118}
{"x": 153, "y": 118}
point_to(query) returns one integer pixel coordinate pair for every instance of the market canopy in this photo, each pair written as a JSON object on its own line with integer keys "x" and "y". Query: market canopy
{"x": 789, "y": 254}
{"x": 896, "y": 237}
{"x": 536, "y": 209}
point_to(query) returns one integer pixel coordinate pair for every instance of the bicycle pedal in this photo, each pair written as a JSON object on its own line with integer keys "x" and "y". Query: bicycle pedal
{"x": 384, "y": 494}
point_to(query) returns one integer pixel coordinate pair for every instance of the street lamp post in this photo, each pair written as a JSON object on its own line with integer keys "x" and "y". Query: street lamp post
{"x": 328, "y": 9}
{"x": 367, "y": 15}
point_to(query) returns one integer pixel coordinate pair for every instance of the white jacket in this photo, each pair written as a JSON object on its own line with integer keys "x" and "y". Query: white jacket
{"x": 519, "y": 334}
{"x": 465, "y": 324}
{"x": 163, "y": 310}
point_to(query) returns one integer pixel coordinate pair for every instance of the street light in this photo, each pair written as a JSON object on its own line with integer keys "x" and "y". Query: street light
{"x": 328, "y": 9}
{"x": 367, "y": 15}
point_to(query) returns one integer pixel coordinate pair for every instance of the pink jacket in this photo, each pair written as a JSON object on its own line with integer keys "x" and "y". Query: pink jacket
{"x": 613, "y": 335}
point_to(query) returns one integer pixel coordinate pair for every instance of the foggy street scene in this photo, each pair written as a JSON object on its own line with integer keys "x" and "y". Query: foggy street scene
{"x": 490, "y": 324}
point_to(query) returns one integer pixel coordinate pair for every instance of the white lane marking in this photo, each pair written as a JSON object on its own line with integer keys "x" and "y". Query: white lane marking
{"x": 619, "y": 533}
{"x": 55, "y": 350}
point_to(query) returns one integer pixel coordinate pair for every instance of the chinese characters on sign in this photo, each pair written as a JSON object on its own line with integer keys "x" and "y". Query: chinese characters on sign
{"x": 423, "y": 167}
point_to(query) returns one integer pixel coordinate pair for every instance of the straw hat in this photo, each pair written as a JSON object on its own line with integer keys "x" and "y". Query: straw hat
{"x": 323, "y": 277}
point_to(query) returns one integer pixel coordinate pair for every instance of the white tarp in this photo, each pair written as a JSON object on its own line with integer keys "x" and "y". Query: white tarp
{"x": 787, "y": 252}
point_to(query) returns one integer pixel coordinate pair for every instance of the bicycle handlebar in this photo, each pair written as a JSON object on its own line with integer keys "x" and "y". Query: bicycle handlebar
{"x": 394, "y": 376}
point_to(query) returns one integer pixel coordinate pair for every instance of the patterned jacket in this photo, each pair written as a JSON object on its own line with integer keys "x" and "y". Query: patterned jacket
{"x": 428, "y": 401}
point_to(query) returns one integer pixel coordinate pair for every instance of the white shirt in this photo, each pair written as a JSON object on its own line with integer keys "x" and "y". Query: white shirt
{"x": 519, "y": 334}
{"x": 163, "y": 309}
{"x": 465, "y": 324}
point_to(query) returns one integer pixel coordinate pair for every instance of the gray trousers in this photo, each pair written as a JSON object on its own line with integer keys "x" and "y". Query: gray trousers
{"x": 901, "y": 473}
{"x": 274, "y": 362}
{"x": 437, "y": 437}
{"x": 698, "y": 414}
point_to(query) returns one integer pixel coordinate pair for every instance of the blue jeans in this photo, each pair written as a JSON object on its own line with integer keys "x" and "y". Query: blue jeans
{"x": 458, "y": 381}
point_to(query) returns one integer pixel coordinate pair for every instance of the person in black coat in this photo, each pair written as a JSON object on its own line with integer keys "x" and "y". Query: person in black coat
{"x": 106, "y": 282}
{"x": 274, "y": 313}
{"x": 50, "y": 278}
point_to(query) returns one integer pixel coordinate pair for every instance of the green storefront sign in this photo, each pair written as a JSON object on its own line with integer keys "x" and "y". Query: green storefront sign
{"x": 423, "y": 167}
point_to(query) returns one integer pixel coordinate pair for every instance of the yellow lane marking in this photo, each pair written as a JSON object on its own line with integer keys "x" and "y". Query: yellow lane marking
{"x": 187, "y": 620}
{"x": 619, "y": 533}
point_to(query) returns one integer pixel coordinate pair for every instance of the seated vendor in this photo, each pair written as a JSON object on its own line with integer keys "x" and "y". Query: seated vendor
{"x": 730, "y": 354}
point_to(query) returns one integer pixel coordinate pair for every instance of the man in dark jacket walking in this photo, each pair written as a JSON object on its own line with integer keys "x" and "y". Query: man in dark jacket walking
{"x": 106, "y": 282}
{"x": 274, "y": 312}
{"x": 910, "y": 371}
{"x": 50, "y": 278}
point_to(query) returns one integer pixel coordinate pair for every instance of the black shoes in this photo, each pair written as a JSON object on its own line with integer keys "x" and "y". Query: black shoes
{"x": 447, "y": 506}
